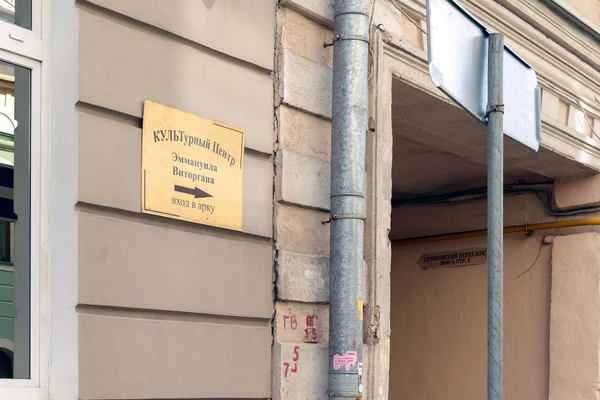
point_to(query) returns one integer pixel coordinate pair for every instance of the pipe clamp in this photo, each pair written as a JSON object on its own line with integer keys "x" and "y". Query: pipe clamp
{"x": 333, "y": 217}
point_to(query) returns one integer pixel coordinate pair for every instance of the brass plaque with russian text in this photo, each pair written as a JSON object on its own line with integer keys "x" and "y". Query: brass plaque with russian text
{"x": 192, "y": 168}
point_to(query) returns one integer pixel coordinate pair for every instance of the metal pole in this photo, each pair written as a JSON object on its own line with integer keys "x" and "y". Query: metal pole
{"x": 495, "y": 110}
{"x": 348, "y": 142}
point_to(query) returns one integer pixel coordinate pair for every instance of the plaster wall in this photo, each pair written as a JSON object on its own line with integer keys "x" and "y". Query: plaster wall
{"x": 131, "y": 321}
{"x": 169, "y": 309}
{"x": 439, "y": 316}
{"x": 301, "y": 203}
{"x": 590, "y": 9}
{"x": 439, "y": 324}
{"x": 302, "y": 147}
{"x": 575, "y": 318}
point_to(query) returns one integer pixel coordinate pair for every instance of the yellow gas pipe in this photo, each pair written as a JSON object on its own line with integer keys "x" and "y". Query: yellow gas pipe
{"x": 508, "y": 229}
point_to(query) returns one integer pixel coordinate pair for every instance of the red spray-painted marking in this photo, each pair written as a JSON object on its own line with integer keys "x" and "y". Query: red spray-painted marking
{"x": 310, "y": 333}
{"x": 290, "y": 322}
{"x": 287, "y": 365}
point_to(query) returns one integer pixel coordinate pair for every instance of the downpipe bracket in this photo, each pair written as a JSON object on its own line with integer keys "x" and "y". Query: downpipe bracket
{"x": 333, "y": 217}
{"x": 345, "y": 395}
{"x": 346, "y": 37}
{"x": 495, "y": 108}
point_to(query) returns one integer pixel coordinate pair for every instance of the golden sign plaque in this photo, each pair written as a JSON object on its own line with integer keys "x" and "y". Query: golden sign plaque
{"x": 192, "y": 168}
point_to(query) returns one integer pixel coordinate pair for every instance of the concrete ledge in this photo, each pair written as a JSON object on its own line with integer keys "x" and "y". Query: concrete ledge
{"x": 124, "y": 264}
{"x": 571, "y": 193}
{"x": 319, "y": 10}
{"x": 126, "y": 358}
{"x": 575, "y": 318}
{"x": 200, "y": 83}
{"x": 241, "y": 29}
{"x": 304, "y": 378}
{"x": 300, "y": 322}
{"x": 302, "y": 180}
{"x": 303, "y": 277}
{"x": 304, "y": 133}
{"x": 301, "y": 230}
{"x": 306, "y": 84}
{"x": 305, "y": 37}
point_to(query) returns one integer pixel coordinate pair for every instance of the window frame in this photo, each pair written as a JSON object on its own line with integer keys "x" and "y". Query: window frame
{"x": 23, "y": 47}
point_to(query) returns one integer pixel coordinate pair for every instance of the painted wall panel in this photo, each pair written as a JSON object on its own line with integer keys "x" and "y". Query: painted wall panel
{"x": 169, "y": 360}
{"x": 241, "y": 29}
{"x": 170, "y": 309}
{"x": 121, "y": 66}
{"x": 128, "y": 264}
{"x": 110, "y": 173}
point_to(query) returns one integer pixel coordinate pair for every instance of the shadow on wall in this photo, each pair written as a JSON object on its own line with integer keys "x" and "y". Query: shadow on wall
{"x": 209, "y": 3}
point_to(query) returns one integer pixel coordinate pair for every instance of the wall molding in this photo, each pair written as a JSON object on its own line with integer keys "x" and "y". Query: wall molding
{"x": 566, "y": 66}
{"x": 556, "y": 26}
{"x": 556, "y": 137}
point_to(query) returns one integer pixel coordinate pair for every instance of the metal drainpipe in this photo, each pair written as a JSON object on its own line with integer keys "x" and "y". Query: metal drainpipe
{"x": 348, "y": 141}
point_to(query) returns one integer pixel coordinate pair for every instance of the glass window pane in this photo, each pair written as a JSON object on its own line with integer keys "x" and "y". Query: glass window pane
{"x": 16, "y": 12}
{"x": 15, "y": 208}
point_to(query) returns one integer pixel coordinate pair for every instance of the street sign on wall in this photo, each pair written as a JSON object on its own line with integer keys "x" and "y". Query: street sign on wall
{"x": 451, "y": 259}
{"x": 192, "y": 168}
{"x": 458, "y": 65}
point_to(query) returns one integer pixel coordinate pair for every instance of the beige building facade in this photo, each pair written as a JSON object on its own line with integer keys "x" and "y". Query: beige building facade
{"x": 197, "y": 325}
{"x": 425, "y": 330}
{"x": 120, "y": 304}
